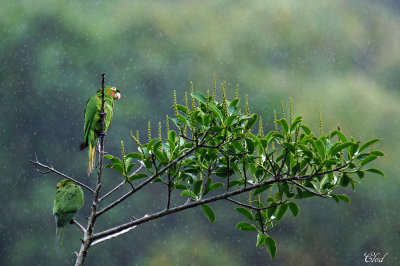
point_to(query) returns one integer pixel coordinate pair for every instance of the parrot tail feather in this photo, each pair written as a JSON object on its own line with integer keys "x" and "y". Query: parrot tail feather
{"x": 92, "y": 158}
{"x": 59, "y": 235}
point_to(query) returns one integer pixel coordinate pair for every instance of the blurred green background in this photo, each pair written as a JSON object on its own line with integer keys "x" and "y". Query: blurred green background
{"x": 340, "y": 57}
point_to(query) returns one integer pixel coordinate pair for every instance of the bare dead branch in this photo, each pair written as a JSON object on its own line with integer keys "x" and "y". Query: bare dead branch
{"x": 112, "y": 236}
{"x": 73, "y": 221}
{"x": 51, "y": 169}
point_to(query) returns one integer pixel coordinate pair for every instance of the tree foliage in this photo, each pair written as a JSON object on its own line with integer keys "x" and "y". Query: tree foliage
{"x": 212, "y": 154}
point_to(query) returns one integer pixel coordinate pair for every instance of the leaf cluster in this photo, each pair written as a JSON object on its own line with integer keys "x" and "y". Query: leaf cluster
{"x": 213, "y": 151}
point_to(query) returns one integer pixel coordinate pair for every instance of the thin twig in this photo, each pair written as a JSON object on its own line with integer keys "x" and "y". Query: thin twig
{"x": 111, "y": 236}
{"x": 283, "y": 163}
{"x": 78, "y": 225}
{"x": 120, "y": 185}
{"x": 310, "y": 190}
{"x": 51, "y": 169}
{"x": 252, "y": 207}
{"x": 317, "y": 173}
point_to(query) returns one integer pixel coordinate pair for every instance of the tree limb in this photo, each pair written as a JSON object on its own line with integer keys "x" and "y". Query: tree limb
{"x": 182, "y": 207}
{"x": 73, "y": 221}
{"x": 92, "y": 219}
{"x": 51, "y": 169}
{"x": 151, "y": 178}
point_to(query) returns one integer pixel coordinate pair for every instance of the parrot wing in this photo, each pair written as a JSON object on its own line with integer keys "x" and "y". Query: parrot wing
{"x": 89, "y": 115}
{"x": 109, "y": 109}
{"x": 68, "y": 201}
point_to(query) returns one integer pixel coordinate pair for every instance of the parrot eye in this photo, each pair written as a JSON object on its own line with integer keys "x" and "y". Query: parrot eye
{"x": 113, "y": 88}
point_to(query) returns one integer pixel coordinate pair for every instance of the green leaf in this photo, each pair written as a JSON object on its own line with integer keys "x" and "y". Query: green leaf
{"x": 341, "y": 136}
{"x": 208, "y": 212}
{"x": 182, "y": 108}
{"x": 134, "y": 155}
{"x": 216, "y": 111}
{"x": 234, "y": 102}
{"x": 150, "y": 144}
{"x": 236, "y": 182}
{"x": 295, "y": 122}
{"x": 377, "y": 153}
{"x": 179, "y": 186}
{"x": 172, "y": 139}
{"x": 188, "y": 193}
{"x": 320, "y": 148}
{"x": 245, "y": 212}
{"x": 245, "y": 226}
{"x": 260, "y": 239}
{"x": 284, "y": 124}
{"x": 108, "y": 156}
{"x": 338, "y": 148}
{"x": 271, "y": 211}
{"x": 230, "y": 119}
{"x": 215, "y": 186}
{"x": 137, "y": 176}
{"x": 115, "y": 160}
{"x": 250, "y": 145}
{"x": 290, "y": 147}
{"x": 160, "y": 155}
{"x": 281, "y": 211}
{"x": 269, "y": 135}
{"x": 335, "y": 197}
{"x": 261, "y": 189}
{"x": 256, "y": 141}
{"x": 271, "y": 246}
{"x": 182, "y": 118}
{"x": 306, "y": 129}
{"x": 343, "y": 197}
{"x": 368, "y": 159}
{"x": 294, "y": 208}
{"x": 129, "y": 168}
{"x": 197, "y": 186}
{"x": 199, "y": 97}
{"x": 367, "y": 144}
{"x": 252, "y": 121}
{"x": 118, "y": 167}
{"x": 376, "y": 171}
{"x": 223, "y": 171}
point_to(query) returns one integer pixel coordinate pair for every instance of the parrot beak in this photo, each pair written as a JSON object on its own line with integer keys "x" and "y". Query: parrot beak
{"x": 117, "y": 96}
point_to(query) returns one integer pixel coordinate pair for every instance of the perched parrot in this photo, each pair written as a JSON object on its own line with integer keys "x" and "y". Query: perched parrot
{"x": 68, "y": 200}
{"x": 92, "y": 126}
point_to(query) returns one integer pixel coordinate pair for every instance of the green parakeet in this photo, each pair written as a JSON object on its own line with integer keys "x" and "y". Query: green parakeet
{"x": 68, "y": 200}
{"x": 92, "y": 126}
